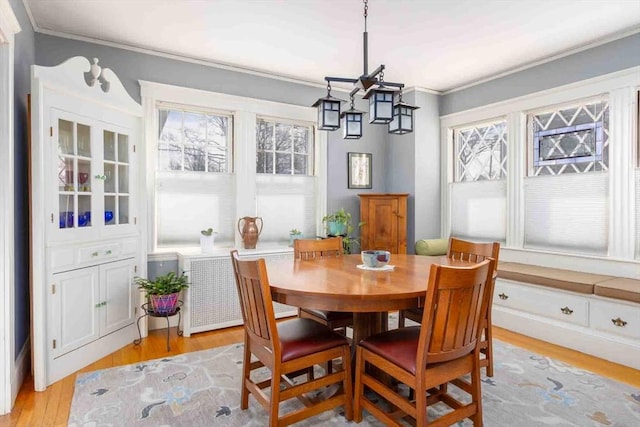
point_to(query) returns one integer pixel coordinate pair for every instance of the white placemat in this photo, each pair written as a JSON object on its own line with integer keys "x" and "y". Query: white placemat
{"x": 383, "y": 268}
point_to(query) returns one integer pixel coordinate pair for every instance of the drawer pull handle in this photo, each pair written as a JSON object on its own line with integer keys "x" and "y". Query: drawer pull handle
{"x": 109, "y": 252}
{"x": 503, "y": 296}
{"x": 94, "y": 253}
{"x": 619, "y": 322}
{"x": 566, "y": 310}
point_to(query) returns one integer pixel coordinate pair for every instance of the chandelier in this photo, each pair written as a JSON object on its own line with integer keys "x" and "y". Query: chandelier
{"x": 385, "y": 101}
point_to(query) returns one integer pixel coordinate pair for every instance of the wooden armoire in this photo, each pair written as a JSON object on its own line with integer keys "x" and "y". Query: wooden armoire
{"x": 385, "y": 222}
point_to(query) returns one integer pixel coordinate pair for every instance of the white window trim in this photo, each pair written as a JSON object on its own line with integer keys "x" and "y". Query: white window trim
{"x": 621, "y": 87}
{"x": 8, "y": 28}
{"x": 245, "y": 111}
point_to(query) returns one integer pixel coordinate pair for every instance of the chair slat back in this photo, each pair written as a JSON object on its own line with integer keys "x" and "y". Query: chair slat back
{"x": 472, "y": 251}
{"x": 456, "y": 298}
{"x": 310, "y": 249}
{"x": 255, "y": 299}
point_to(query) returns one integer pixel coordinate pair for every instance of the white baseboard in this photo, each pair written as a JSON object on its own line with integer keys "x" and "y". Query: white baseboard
{"x": 21, "y": 370}
{"x": 595, "y": 343}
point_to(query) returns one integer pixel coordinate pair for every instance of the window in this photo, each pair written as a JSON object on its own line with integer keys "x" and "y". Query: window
{"x": 220, "y": 157}
{"x": 283, "y": 148}
{"x": 193, "y": 190}
{"x": 285, "y": 185}
{"x": 478, "y": 195}
{"x": 481, "y": 152}
{"x": 572, "y": 139}
{"x": 193, "y": 141}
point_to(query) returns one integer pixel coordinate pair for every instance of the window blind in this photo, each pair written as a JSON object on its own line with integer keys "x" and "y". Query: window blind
{"x": 478, "y": 210}
{"x": 285, "y": 202}
{"x": 188, "y": 203}
{"x": 567, "y": 213}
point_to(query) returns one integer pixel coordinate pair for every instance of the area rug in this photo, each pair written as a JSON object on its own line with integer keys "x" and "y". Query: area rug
{"x": 202, "y": 389}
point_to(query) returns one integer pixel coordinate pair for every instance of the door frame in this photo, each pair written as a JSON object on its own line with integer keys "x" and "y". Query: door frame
{"x": 8, "y": 27}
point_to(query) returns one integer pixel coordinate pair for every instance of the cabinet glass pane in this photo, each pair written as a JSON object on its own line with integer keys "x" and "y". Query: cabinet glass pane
{"x": 84, "y": 140}
{"x": 84, "y": 211}
{"x": 65, "y": 137}
{"x": 67, "y": 209}
{"x": 65, "y": 174}
{"x": 84, "y": 175}
{"x": 110, "y": 178}
{"x": 109, "y": 145}
{"x": 123, "y": 148}
{"x": 109, "y": 210}
{"x": 123, "y": 179}
{"x": 123, "y": 210}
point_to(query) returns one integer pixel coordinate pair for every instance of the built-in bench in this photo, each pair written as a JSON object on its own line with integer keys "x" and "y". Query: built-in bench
{"x": 593, "y": 313}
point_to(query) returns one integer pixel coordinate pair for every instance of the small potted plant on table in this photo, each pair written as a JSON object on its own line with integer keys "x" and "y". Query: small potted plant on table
{"x": 339, "y": 224}
{"x": 206, "y": 240}
{"x": 162, "y": 292}
{"x": 294, "y": 234}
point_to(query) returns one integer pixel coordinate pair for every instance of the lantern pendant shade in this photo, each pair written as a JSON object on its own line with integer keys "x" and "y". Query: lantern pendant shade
{"x": 380, "y": 105}
{"x": 402, "y": 122}
{"x": 328, "y": 113}
{"x": 352, "y": 124}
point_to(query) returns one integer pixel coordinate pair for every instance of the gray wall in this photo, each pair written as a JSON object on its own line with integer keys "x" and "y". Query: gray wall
{"x": 607, "y": 58}
{"x": 24, "y": 54}
{"x": 425, "y": 220}
{"x": 339, "y": 195}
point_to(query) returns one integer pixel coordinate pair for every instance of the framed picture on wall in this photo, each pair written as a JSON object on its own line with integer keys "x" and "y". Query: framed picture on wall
{"x": 359, "y": 169}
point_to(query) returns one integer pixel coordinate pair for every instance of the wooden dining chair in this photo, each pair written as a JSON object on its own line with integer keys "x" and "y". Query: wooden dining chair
{"x": 425, "y": 358}
{"x": 287, "y": 347}
{"x": 312, "y": 249}
{"x": 474, "y": 252}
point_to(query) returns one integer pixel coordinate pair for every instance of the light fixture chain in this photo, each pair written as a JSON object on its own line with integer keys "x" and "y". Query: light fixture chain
{"x": 381, "y": 78}
{"x": 366, "y": 12}
{"x": 328, "y": 88}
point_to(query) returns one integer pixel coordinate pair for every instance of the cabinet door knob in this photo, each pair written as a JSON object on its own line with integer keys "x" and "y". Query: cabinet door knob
{"x": 566, "y": 310}
{"x": 94, "y": 253}
{"x": 619, "y": 322}
{"x": 503, "y": 296}
{"x": 108, "y": 252}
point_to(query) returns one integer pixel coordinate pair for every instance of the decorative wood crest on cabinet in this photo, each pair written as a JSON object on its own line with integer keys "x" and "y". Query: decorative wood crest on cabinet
{"x": 79, "y": 76}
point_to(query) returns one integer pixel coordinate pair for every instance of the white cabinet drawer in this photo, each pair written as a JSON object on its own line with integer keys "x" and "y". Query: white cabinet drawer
{"x": 561, "y": 305}
{"x": 98, "y": 252}
{"x": 616, "y": 318}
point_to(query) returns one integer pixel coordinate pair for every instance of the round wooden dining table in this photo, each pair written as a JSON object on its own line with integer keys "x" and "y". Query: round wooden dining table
{"x": 338, "y": 284}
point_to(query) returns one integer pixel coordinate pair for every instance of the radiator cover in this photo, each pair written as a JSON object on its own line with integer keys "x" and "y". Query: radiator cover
{"x": 211, "y": 301}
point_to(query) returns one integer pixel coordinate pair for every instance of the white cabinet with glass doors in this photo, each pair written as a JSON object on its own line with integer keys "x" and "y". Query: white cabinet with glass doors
{"x": 93, "y": 180}
{"x": 86, "y": 216}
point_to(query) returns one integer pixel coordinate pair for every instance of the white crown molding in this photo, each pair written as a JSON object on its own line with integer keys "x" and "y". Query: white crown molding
{"x": 557, "y": 95}
{"x": 192, "y": 60}
{"x": 599, "y": 42}
{"x": 8, "y": 22}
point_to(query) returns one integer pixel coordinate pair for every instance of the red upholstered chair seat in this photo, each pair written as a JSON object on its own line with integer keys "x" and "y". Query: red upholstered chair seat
{"x": 399, "y": 346}
{"x": 302, "y": 337}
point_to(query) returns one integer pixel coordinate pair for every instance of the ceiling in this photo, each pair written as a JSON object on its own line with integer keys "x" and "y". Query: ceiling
{"x": 432, "y": 44}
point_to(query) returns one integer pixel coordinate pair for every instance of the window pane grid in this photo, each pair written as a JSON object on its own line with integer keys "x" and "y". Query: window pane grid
{"x": 481, "y": 152}
{"x": 283, "y": 148}
{"x": 572, "y": 139}
{"x": 193, "y": 141}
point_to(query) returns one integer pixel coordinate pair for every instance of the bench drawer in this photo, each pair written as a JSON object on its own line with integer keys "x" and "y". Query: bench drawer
{"x": 560, "y": 305}
{"x": 616, "y": 318}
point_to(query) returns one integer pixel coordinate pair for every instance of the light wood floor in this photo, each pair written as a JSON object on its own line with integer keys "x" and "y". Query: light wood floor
{"x": 51, "y": 407}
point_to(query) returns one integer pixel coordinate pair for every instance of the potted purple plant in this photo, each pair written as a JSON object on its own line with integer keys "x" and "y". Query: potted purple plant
{"x": 162, "y": 292}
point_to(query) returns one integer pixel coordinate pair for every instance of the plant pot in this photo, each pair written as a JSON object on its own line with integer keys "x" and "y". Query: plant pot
{"x": 164, "y": 304}
{"x": 206, "y": 244}
{"x": 293, "y": 237}
{"x": 336, "y": 228}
